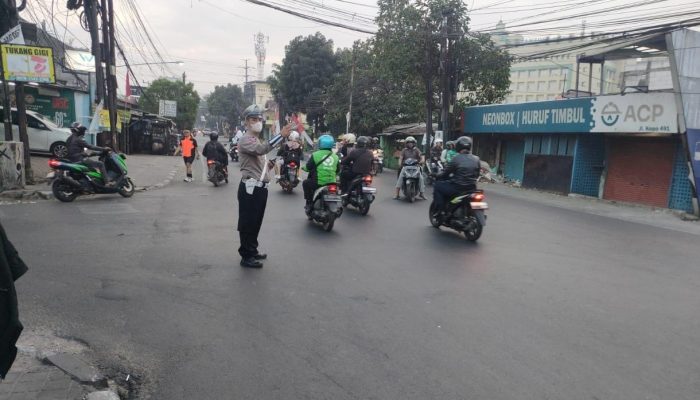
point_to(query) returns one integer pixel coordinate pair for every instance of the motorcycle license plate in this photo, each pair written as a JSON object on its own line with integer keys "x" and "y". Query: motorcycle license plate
{"x": 368, "y": 189}
{"x": 331, "y": 197}
{"x": 51, "y": 175}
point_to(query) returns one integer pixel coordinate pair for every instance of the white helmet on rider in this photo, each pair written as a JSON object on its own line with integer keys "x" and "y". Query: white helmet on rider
{"x": 350, "y": 138}
{"x": 294, "y": 136}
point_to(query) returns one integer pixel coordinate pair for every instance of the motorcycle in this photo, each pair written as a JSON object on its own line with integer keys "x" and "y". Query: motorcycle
{"x": 216, "y": 172}
{"x": 289, "y": 178}
{"x": 69, "y": 180}
{"x": 233, "y": 152}
{"x": 377, "y": 162}
{"x": 327, "y": 206}
{"x": 464, "y": 213}
{"x": 436, "y": 168}
{"x": 412, "y": 172}
{"x": 360, "y": 194}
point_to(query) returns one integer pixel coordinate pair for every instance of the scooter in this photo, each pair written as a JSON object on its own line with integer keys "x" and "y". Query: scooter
{"x": 411, "y": 178}
{"x": 360, "y": 194}
{"x": 327, "y": 206}
{"x": 233, "y": 152}
{"x": 464, "y": 213}
{"x": 69, "y": 180}
{"x": 436, "y": 168}
{"x": 288, "y": 177}
{"x": 216, "y": 172}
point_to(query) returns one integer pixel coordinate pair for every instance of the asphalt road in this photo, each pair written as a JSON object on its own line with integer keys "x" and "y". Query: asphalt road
{"x": 549, "y": 304}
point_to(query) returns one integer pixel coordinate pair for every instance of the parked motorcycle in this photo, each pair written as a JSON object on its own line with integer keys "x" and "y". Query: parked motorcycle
{"x": 360, "y": 194}
{"x": 436, "y": 168}
{"x": 233, "y": 152}
{"x": 327, "y": 206}
{"x": 377, "y": 162}
{"x": 410, "y": 184}
{"x": 216, "y": 172}
{"x": 465, "y": 213}
{"x": 69, "y": 180}
{"x": 289, "y": 178}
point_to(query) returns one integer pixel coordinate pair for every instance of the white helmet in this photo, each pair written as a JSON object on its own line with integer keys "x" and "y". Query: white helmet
{"x": 410, "y": 139}
{"x": 438, "y": 141}
{"x": 350, "y": 138}
{"x": 294, "y": 136}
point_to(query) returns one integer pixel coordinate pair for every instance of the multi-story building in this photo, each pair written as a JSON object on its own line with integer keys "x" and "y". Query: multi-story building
{"x": 258, "y": 92}
{"x": 545, "y": 69}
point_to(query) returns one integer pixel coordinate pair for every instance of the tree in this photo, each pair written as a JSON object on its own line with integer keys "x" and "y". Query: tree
{"x": 308, "y": 66}
{"x": 227, "y": 102}
{"x": 165, "y": 89}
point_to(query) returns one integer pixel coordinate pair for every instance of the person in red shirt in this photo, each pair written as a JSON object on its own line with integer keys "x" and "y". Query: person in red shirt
{"x": 188, "y": 148}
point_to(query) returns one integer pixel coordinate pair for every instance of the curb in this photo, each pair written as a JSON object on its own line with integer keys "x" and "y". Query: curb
{"x": 22, "y": 194}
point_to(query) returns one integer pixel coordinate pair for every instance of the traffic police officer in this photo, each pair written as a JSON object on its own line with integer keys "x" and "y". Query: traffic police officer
{"x": 255, "y": 177}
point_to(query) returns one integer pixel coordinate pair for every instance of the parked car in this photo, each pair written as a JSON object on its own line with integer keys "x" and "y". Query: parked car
{"x": 44, "y": 136}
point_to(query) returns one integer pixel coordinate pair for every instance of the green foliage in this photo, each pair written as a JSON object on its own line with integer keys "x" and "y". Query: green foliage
{"x": 165, "y": 89}
{"x": 308, "y": 67}
{"x": 228, "y": 102}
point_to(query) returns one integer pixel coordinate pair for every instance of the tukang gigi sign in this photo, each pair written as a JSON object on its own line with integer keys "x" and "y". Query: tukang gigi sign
{"x": 632, "y": 113}
{"x": 28, "y": 63}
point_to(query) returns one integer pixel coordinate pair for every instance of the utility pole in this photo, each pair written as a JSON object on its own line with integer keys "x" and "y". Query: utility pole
{"x": 112, "y": 77}
{"x": 9, "y": 21}
{"x": 91, "y": 13}
{"x": 107, "y": 56}
{"x": 445, "y": 116}
{"x": 352, "y": 87}
{"x": 428, "y": 90}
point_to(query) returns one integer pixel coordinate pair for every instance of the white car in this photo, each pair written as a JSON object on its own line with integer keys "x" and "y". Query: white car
{"x": 44, "y": 135}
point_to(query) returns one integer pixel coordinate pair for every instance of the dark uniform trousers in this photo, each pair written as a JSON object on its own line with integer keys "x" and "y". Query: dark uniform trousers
{"x": 251, "y": 210}
{"x": 444, "y": 191}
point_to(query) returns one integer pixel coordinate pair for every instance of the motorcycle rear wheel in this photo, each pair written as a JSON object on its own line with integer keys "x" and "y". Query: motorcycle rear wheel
{"x": 127, "y": 190}
{"x": 364, "y": 208}
{"x": 474, "y": 233}
{"x": 328, "y": 225}
{"x": 62, "y": 191}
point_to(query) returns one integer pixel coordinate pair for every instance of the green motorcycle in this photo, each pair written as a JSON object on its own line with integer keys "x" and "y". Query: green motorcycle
{"x": 69, "y": 180}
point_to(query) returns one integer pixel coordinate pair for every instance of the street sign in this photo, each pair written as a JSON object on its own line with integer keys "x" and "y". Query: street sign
{"x": 167, "y": 108}
{"x": 28, "y": 63}
{"x": 13, "y": 36}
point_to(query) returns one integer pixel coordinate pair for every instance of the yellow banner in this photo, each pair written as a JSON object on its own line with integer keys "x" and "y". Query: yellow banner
{"x": 123, "y": 116}
{"x": 28, "y": 63}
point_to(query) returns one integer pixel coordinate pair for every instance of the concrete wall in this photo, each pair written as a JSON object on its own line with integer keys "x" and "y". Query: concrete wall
{"x": 11, "y": 165}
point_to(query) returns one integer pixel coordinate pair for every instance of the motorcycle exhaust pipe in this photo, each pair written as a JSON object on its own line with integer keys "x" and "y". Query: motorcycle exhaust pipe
{"x": 71, "y": 181}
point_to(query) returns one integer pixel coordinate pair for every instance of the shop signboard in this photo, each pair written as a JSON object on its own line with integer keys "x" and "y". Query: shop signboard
{"x": 632, "y": 113}
{"x": 28, "y": 63}
{"x": 56, "y": 104}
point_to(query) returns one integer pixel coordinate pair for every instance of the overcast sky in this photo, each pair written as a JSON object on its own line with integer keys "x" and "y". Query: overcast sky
{"x": 213, "y": 37}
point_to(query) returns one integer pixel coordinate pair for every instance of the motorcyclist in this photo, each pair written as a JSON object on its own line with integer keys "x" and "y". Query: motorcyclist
{"x": 323, "y": 167}
{"x": 435, "y": 154}
{"x": 76, "y": 151}
{"x": 290, "y": 151}
{"x": 349, "y": 140}
{"x": 375, "y": 143}
{"x": 449, "y": 152}
{"x": 410, "y": 151}
{"x": 216, "y": 151}
{"x": 358, "y": 162}
{"x": 459, "y": 176}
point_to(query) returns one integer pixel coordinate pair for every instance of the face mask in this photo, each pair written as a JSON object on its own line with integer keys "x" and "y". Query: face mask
{"x": 257, "y": 127}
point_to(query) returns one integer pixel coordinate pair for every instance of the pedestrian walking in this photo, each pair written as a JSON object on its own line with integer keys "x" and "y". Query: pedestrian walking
{"x": 255, "y": 178}
{"x": 188, "y": 148}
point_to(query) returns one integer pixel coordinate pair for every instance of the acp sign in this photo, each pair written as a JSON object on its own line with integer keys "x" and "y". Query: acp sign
{"x": 635, "y": 113}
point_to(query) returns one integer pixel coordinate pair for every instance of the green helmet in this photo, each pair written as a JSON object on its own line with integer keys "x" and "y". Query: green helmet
{"x": 252, "y": 111}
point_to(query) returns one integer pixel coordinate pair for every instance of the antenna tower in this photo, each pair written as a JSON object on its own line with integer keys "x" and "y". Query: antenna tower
{"x": 260, "y": 40}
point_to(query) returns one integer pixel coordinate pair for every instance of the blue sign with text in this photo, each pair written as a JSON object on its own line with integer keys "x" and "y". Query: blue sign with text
{"x": 558, "y": 116}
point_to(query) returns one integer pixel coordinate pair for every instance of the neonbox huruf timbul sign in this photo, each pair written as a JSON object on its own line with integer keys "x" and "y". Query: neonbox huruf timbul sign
{"x": 28, "y": 63}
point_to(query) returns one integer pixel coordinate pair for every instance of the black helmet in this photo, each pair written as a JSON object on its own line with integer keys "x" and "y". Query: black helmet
{"x": 463, "y": 143}
{"x": 78, "y": 129}
{"x": 450, "y": 145}
{"x": 362, "y": 142}
{"x": 213, "y": 136}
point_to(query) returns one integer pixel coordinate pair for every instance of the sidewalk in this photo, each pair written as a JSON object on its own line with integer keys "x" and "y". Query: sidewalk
{"x": 147, "y": 172}
{"x": 659, "y": 217}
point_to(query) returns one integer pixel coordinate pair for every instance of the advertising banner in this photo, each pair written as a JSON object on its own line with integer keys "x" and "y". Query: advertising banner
{"x": 59, "y": 107}
{"x": 631, "y": 113}
{"x": 28, "y": 63}
{"x": 80, "y": 61}
{"x": 13, "y": 36}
